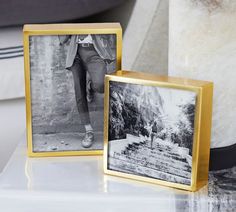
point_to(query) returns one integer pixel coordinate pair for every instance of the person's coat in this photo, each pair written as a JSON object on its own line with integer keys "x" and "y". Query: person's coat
{"x": 100, "y": 42}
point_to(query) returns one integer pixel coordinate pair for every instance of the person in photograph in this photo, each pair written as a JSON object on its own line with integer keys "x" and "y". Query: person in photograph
{"x": 153, "y": 133}
{"x": 87, "y": 55}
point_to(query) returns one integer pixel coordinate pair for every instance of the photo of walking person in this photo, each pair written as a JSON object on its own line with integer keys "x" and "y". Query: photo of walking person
{"x": 67, "y": 90}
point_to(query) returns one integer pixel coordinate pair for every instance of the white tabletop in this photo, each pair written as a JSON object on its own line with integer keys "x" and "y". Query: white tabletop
{"x": 78, "y": 183}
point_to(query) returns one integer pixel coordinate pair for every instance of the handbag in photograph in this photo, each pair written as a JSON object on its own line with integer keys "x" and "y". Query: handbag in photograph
{"x": 157, "y": 129}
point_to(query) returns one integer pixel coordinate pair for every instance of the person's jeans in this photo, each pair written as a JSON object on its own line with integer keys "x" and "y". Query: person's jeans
{"x": 87, "y": 60}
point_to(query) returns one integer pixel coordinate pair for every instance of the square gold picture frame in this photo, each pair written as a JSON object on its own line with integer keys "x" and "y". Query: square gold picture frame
{"x": 157, "y": 129}
{"x": 54, "y": 126}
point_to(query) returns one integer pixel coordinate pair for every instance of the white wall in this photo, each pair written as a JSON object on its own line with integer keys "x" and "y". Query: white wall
{"x": 202, "y": 46}
{"x": 145, "y": 40}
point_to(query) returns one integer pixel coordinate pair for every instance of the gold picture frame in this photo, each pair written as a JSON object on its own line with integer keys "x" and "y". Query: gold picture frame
{"x": 169, "y": 163}
{"x": 41, "y": 31}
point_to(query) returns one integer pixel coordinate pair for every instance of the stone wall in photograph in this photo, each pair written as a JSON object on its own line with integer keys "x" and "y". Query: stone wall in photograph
{"x": 52, "y": 89}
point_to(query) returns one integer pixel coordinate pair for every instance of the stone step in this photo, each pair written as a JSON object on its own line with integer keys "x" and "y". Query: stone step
{"x": 155, "y": 164}
{"x": 161, "y": 153}
{"x": 162, "y": 147}
{"x": 164, "y": 160}
{"x": 161, "y": 159}
{"x": 130, "y": 167}
{"x": 144, "y": 149}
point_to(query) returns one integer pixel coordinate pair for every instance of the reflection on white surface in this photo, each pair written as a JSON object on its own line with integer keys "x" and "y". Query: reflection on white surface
{"x": 64, "y": 174}
{"x": 78, "y": 183}
{"x": 12, "y": 127}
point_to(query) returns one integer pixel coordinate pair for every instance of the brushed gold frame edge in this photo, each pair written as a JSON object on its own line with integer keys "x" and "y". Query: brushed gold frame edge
{"x": 33, "y": 32}
{"x": 196, "y": 139}
{"x": 196, "y": 142}
{"x": 148, "y": 82}
{"x": 209, "y": 92}
{"x": 65, "y": 153}
{"x": 106, "y": 123}
{"x": 119, "y": 40}
{"x": 143, "y": 76}
{"x": 27, "y": 93}
{"x": 61, "y": 27}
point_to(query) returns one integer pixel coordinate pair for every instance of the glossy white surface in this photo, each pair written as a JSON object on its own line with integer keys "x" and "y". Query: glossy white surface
{"x": 12, "y": 127}
{"x": 78, "y": 183}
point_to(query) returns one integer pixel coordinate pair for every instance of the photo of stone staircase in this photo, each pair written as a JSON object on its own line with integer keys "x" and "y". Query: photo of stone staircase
{"x": 163, "y": 161}
{"x": 136, "y": 147}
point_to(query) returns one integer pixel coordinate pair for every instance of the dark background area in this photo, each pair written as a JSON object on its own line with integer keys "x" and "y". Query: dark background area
{"x": 14, "y": 12}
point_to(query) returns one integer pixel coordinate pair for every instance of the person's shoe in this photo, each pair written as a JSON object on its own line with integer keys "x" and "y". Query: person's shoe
{"x": 88, "y": 139}
{"x": 89, "y": 91}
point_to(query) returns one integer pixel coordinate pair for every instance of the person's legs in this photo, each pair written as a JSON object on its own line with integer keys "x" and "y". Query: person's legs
{"x": 79, "y": 76}
{"x": 152, "y": 137}
{"x": 96, "y": 67}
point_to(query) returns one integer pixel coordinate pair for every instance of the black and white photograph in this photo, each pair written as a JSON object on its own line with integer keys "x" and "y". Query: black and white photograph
{"x": 67, "y": 89}
{"x": 151, "y": 131}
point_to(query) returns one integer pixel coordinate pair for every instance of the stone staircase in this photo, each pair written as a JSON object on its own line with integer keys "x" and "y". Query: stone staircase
{"x": 164, "y": 161}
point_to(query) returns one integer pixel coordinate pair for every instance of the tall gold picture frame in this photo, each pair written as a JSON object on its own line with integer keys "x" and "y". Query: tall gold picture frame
{"x": 158, "y": 129}
{"x": 51, "y": 100}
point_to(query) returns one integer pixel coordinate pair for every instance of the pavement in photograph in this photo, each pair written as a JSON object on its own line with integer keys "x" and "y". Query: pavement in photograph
{"x": 64, "y": 142}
